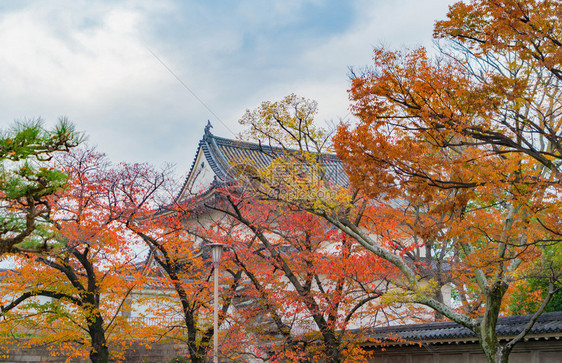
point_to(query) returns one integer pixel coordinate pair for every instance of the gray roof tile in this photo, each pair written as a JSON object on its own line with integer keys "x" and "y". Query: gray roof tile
{"x": 548, "y": 323}
{"x": 224, "y": 155}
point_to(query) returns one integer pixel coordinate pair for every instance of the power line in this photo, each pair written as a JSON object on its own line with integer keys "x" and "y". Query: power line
{"x": 189, "y": 89}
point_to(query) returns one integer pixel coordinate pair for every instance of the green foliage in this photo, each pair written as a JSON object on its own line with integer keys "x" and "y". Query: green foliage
{"x": 27, "y": 181}
{"x": 531, "y": 291}
{"x": 30, "y": 140}
{"x": 528, "y": 297}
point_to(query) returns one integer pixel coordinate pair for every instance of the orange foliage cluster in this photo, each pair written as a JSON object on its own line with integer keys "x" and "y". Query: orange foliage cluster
{"x": 73, "y": 296}
{"x": 306, "y": 283}
{"x": 466, "y": 148}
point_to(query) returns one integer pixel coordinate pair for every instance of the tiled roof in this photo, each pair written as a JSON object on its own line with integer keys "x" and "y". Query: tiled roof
{"x": 548, "y": 324}
{"x": 225, "y": 155}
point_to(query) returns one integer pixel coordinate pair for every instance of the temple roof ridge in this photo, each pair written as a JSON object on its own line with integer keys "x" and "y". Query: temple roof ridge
{"x": 224, "y": 154}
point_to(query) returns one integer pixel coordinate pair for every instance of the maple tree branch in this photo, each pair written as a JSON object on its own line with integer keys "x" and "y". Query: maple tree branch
{"x": 40, "y": 292}
{"x": 66, "y": 270}
{"x": 551, "y": 291}
{"x": 412, "y": 281}
{"x": 109, "y": 327}
{"x": 92, "y": 287}
{"x": 283, "y": 328}
{"x": 358, "y": 306}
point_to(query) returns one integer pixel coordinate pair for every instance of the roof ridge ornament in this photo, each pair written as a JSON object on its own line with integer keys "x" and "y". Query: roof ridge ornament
{"x": 208, "y": 128}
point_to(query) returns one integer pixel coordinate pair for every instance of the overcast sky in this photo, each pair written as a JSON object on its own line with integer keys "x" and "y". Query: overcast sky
{"x": 111, "y": 66}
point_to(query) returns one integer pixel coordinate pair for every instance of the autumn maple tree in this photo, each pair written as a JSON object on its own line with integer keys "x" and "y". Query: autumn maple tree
{"x": 179, "y": 265}
{"x": 184, "y": 268}
{"x": 471, "y": 139}
{"x": 307, "y": 282}
{"x": 292, "y": 268}
{"x": 73, "y": 295}
{"x": 431, "y": 152}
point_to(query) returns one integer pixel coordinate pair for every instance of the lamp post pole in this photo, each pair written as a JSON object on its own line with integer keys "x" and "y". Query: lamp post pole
{"x": 216, "y": 255}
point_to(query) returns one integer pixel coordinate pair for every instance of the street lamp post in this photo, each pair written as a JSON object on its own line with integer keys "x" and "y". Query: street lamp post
{"x": 216, "y": 249}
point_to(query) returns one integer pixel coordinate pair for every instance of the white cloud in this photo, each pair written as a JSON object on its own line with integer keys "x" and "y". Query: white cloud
{"x": 91, "y": 64}
{"x": 86, "y": 66}
{"x": 88, "y": 60}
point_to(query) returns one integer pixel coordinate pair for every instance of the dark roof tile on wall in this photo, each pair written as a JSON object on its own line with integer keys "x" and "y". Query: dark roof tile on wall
{"x": 547, "y": 324}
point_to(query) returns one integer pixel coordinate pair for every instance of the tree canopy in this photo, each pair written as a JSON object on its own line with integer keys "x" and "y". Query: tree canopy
{"x": 73, "y": 296}
{"x": 461, "y": 150}
{"x": 26, "y": 181}
{"x": 469, "y": 142}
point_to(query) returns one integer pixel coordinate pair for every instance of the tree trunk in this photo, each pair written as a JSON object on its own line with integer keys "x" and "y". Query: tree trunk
{"x": 199, "y": 355}
{"x": 437, "y": 316}
{"x": 494, "y": 351}
{"x": 502, "y": 356}
{"x": 331, "y": 346}
{"x": 100, "y": 351}
{"x": 194, "y": 357}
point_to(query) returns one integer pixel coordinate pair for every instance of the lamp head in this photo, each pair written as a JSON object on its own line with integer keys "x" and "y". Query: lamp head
{"x": 216, "y": 252}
